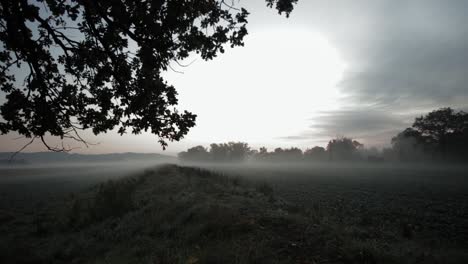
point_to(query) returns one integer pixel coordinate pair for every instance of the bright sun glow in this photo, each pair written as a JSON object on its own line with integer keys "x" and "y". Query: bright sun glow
{"x": 269, "y": 89}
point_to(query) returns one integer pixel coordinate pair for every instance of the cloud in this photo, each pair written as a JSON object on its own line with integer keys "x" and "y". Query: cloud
{"x": 371, "y": 127}
{"x": 404, "y": 58}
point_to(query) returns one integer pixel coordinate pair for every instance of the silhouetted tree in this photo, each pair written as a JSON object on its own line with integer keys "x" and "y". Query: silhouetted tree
{"x": 291, "y": 154}
{"x": 98, "y": 64}
{"x": 279, "y": 154}
{"x": 316, "y": 154}
{"x": 446, "y": 130}
{"x": 409, "y": 145}
{"x": 437, "y": 125}
{"x": 261, "y": 155}
{"x": 342, "y": 149}
{"x": 223, "y": 152}
{"x": 231, "y": 151}
{"x": 238, "y": 151}
{"x": 262, "y": 151}
{"x": 219, "y": 152}
{"x": 198, "y": 153}
{"x": 441, "y": 134}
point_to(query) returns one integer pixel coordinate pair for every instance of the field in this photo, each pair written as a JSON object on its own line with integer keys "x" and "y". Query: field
{"x": 432, "y": 200}
{"x": 251, "y": 213}
{"x": 22, "y": 187}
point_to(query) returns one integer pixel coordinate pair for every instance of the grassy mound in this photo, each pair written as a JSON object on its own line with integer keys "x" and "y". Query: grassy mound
{"x": 188, "y": 215}
{"x": 169, "y": 215}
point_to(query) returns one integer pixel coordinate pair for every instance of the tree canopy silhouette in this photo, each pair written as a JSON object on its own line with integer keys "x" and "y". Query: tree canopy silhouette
{"x": 442, "y": 133}
{"x": 409, "y": 145}
{"x": 71, "y": 65}
{"x": 316, "y": 153}
{"x": 437, "y": 126}
{"x": 339, "y": 149}
{"x": 343, "y": 148}
{"x": 223, "y": 152}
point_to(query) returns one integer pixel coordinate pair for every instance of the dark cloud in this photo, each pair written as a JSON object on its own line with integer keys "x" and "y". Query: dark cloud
{"x": 357, "y": 122}
{"x": 366, "y": 124}
{"x": 404, "y": 58}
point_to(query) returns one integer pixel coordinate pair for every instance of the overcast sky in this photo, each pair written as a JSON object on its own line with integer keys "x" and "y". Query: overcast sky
{"x": 361, "y": 68}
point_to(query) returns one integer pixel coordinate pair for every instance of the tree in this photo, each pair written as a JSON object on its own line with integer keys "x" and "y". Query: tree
{"x": 261, "y": 155}
{"x": 409, "y": 145}
{"x": 316, "y": 154}
{"x": 219, "y": 152}
{"x": 223, "y": 152}
{"x": 342, "y": 148}
{"x": 198, "y": 153}
{"x": 232, "y": 151}
{"x": 442, "y": 133}
{"x": 437, "y": 125}
{"x": 446, "y": 130}
{"x": 71, "y": 65}
{"x": 291, "y": 154}
{"x": 238, "y": 151}
{"x": 279, "y": 154}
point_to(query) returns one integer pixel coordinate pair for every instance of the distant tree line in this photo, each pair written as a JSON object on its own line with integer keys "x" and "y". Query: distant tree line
{"x": 340, "y": 149}
{"x": 225, "y": 152}
{"x": 441, "y": 135}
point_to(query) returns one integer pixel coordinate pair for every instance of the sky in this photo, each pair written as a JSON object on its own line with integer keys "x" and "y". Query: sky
{"x": 362, "y": 69}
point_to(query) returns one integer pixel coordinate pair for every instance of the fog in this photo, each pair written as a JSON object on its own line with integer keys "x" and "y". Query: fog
{"x": 419, "y": 173}
{"x": 396, "y": 199}
{"x": 39, "y": 182}
{"x": 230, "y": 132}
{"x": 43, "y": 181}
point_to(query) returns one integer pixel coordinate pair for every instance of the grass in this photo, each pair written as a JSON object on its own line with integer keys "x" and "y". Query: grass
{"x": 176, "y": 214}
{"x": 170, "y": 215}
